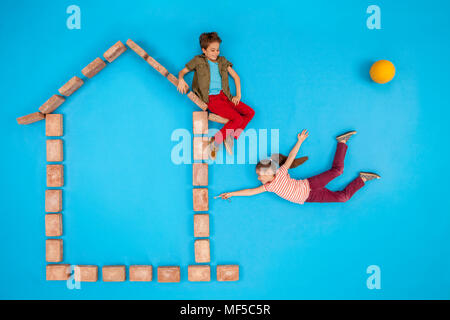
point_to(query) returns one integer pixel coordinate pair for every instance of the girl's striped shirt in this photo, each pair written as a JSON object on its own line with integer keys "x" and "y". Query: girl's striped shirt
{"x": 283, "y": 185}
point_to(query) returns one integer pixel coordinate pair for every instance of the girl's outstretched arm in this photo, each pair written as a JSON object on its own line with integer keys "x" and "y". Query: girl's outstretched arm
{"x": 301, "y": 137}
{"x": 243, "y": 193}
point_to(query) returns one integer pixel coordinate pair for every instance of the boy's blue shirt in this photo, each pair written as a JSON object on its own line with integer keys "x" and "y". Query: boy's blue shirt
{"x": 215, "y": 84}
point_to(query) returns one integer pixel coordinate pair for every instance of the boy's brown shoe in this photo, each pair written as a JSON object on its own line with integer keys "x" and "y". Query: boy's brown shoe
{"x": 228, "y": 142}
{"x": 369, "y": 176}
{"x": 344, "y": 137}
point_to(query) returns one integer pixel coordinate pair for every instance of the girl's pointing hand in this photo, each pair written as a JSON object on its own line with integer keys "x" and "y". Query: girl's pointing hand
{"x": 225, "y": 196}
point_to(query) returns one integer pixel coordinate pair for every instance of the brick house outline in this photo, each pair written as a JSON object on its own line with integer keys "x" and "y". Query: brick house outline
{"x": 89, "y": 273}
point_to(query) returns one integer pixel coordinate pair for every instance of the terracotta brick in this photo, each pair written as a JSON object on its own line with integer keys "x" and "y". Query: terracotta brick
{"x": 200, "y": 122}
{"x": 58, "y": 271}
{"x": 195, "y": 99}
{"x": 200, "y": 199}
{"x": 30, "y": 118}
{"x": 137, "y": 49}
{"x": 113, "y": 273}
{"x": 55, "y": 175}
{"x": 227, "y": 273}
{"x": 216, "y": 118}
{"x": 172, "y": 79}
{"x": 54, "y": 125}
{"x": 169, "y": 274}
{"x": 199, "y": 273}
{"x": 51, "y": 104}
{"x": 115, "y": 51}
{"x": 200, "y": 174}
{"x": 93, "y": 68}
{"x": 53, "y": 225}
{"x": 55, "y": 150}
{"x": 201, "y": 225}
{"x": 86, "y": 273}
{"x": 53, "y": 200}
{"x": 156, "y": 65}
{"x": 202, "y": 253}
{"x": 200, "y": 148}
{"x": 141, "y": 273}
{"x": 53, "y": 250}
{"x": 71, "y": 86}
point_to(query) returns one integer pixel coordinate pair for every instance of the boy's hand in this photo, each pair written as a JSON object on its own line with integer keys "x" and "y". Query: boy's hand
{"x": 302, "y": 136}
{"x": 182, "y": 87}
{"x": 236, "y": 100}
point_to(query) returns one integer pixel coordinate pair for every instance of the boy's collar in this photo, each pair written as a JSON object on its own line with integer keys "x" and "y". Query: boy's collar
{"x": 204, "y": 56}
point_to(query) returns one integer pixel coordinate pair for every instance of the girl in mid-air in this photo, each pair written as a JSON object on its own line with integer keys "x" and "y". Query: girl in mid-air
{"x": 311, "y": 189}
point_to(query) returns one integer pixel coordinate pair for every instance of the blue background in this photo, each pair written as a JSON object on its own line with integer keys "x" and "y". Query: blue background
{"x": 302, "y": 64}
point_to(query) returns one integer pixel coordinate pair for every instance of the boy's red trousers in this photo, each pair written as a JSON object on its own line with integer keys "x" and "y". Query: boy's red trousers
{"x": 238, "y": 115}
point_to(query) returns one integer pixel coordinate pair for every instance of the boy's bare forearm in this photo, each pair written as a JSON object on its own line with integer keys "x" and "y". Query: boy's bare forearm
{"x": 182, "y": 73}
{"x": 237, "y": 81}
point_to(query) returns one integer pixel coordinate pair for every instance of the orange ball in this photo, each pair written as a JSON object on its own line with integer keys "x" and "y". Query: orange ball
{"x": 382, "y": 71}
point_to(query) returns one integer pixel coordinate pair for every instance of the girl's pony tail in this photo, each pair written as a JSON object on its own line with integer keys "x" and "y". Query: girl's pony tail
{"x": 281, "y": 159}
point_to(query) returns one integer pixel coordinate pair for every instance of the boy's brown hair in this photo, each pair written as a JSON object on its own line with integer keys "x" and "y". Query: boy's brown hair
{"x": 207, "y": 38}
